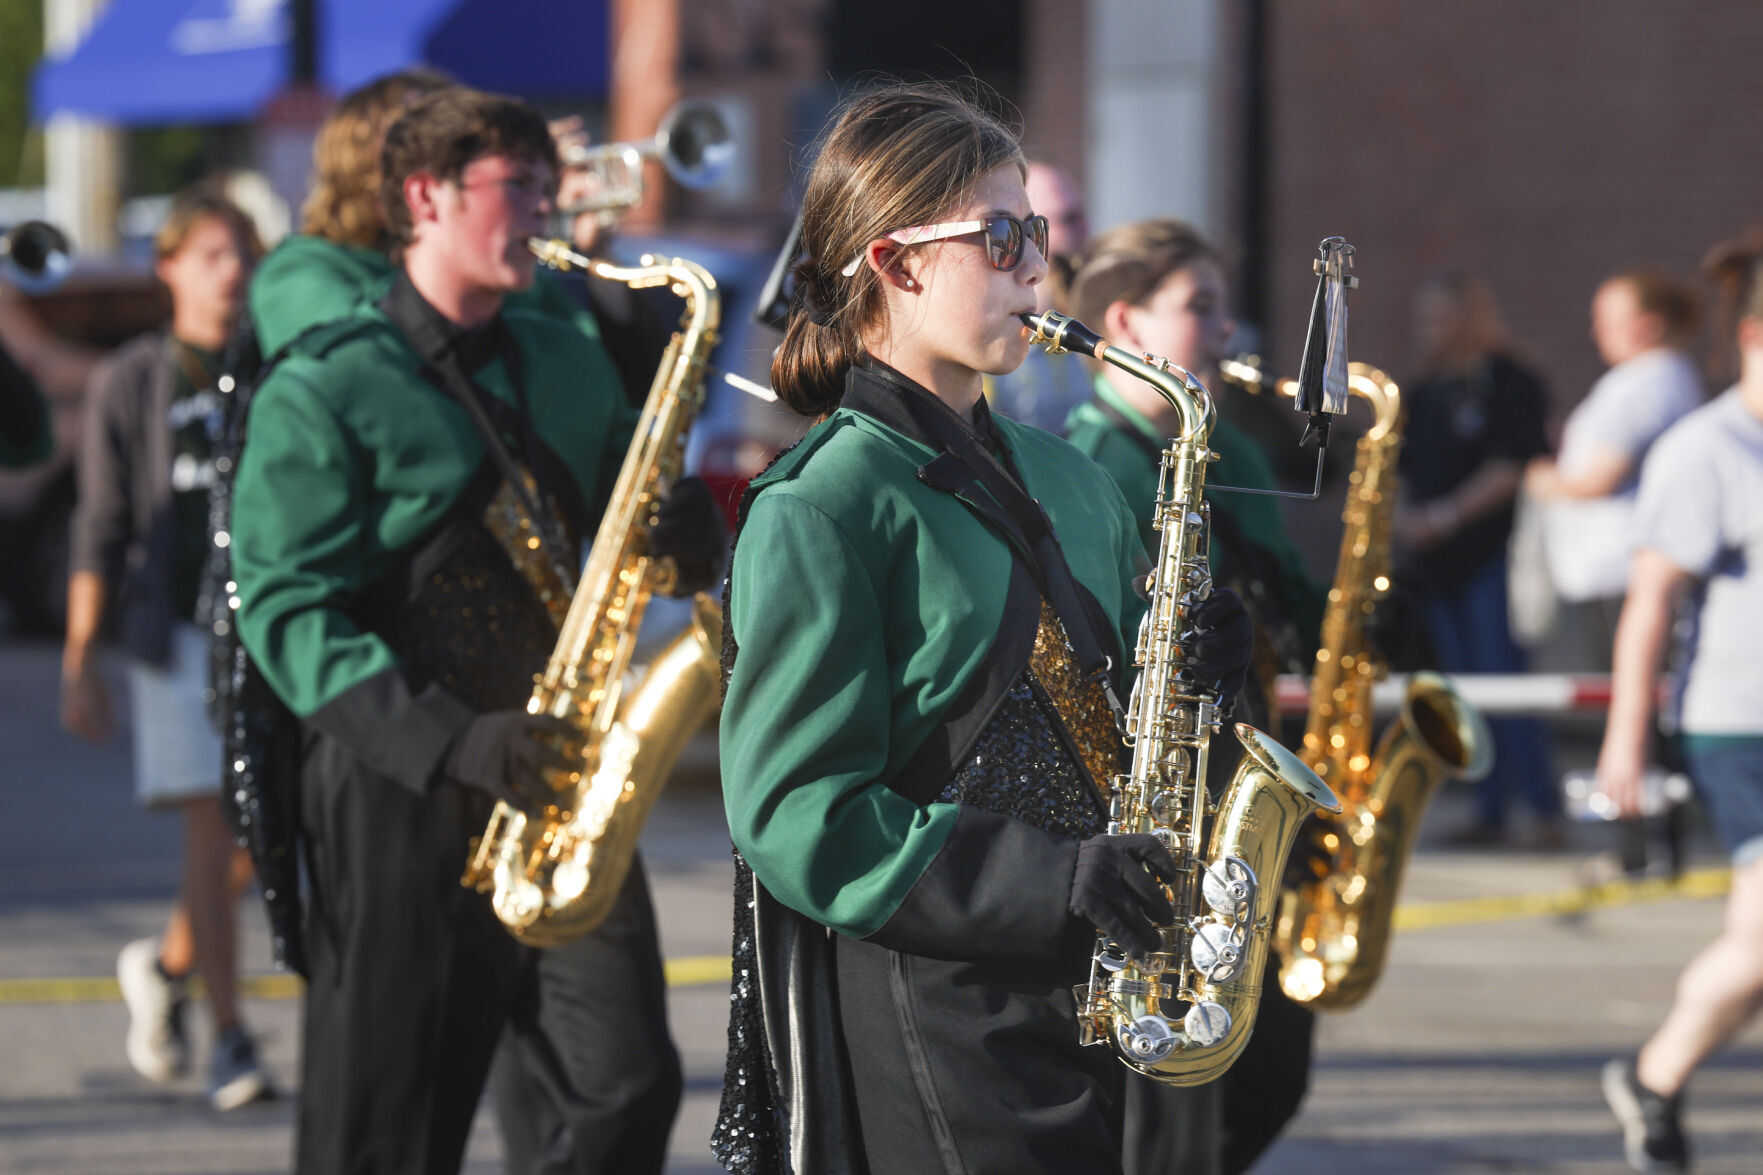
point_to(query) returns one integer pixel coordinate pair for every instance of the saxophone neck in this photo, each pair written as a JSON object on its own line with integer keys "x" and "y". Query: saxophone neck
{"x": 1380, "y": 392}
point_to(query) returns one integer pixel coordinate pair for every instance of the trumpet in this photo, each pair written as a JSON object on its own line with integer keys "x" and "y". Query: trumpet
{"x": 693, "y": 143}
{"x": 34, "y": 256}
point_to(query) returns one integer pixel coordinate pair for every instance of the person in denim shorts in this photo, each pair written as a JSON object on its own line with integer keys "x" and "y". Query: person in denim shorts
{"x": 1699, "y": 529}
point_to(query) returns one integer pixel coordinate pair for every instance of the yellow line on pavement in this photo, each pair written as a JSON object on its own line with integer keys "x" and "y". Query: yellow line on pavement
{"x": 691, "y": 971}
{"x": 1698, "y": 883}
{"x": 702, "y": 970}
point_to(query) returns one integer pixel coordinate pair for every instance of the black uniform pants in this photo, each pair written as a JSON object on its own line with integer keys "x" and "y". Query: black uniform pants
{"x": 587, "y": 1080}
{"x": 412, "y": 976}
{"x": 974, "y": 1068}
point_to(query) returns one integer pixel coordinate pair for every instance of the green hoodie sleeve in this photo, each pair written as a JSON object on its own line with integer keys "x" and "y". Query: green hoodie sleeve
{"x": 805, "y": 726}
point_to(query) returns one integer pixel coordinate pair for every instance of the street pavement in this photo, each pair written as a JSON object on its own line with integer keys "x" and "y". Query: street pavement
{"x": 1478, "y": 1052}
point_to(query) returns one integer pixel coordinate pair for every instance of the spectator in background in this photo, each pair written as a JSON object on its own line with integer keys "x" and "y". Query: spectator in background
{"x": 1475, "y": 418}
{"x": 1055, "y": 195}
{"x": 1698, "y": 530}
{"x": 1045, "y": 389}
{"x": 1640, "y": 322}
{"x": 140, "y": 536}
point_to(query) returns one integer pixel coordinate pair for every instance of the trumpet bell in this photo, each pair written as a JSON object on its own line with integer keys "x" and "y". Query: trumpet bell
{"x": 35, "y": 256}
{"x": 693, "y": 142}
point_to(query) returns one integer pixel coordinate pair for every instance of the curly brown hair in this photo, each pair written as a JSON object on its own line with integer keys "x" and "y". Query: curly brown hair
{"x": 344, "y": 204}
{"x": 443, "y": 133}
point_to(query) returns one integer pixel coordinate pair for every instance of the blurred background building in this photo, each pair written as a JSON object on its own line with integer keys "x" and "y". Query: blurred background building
{"x": 1543, "y": 143}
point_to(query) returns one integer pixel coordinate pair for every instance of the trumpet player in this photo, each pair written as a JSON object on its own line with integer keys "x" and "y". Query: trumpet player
{"x": 917, "y": 720}
{"x": 380, "y": 603}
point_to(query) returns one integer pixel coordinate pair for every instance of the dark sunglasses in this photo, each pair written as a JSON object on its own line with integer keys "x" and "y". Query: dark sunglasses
{"x": 1003, "y": 236}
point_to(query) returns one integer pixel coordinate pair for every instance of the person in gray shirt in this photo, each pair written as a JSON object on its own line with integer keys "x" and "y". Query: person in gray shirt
{"x": 1699, "y": 533}
{"x": 139, "y": 539}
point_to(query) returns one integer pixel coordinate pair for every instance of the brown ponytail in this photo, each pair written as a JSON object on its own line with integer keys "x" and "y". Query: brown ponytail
{"x": 894, "y": 156}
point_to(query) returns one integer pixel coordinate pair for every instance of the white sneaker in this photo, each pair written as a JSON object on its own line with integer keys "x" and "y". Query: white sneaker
{"x": 236, "y": 1077}
{"x": 157, "y": 1045}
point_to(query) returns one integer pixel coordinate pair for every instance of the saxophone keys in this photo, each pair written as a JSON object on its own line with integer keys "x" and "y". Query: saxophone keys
{"x": 1147, "y": 1040}
{"x": 1217, "y": 950}
{"x": 570, "y": 877}
{"x": 1229, "y": 887}
{"x": 1206, "y": 1024}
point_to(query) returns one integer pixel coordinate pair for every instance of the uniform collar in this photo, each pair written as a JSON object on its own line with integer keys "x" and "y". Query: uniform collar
{"x": 436, "y": 337}
{"x": 896, "y": 400}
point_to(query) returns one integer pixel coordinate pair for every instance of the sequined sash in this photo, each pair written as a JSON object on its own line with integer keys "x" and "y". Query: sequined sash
{"x": 1079, "y": 702}
{"x": 482, "y": 619}
{"x": 510, "y": 524}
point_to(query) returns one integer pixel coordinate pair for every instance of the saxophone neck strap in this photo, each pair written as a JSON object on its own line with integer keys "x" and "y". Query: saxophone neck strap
{"x": 448, "y": 354}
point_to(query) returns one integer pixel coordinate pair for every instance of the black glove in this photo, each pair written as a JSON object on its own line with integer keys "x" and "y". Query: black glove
{"x": 504, "y": 752}
{"x": 689, "y": 529}
{"x": 1115, "y": 888}
{"x": 1224, "y": 640}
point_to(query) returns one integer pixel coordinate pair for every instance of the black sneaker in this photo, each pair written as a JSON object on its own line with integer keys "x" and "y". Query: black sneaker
{"x": 1652, "y": 1135}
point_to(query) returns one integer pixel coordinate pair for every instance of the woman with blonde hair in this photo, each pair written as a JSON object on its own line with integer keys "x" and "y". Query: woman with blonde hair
{"x": 1642, "y": 322}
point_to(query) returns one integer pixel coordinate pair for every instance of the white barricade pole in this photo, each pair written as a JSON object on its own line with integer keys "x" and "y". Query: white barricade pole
{"x": 1496, "y": 695}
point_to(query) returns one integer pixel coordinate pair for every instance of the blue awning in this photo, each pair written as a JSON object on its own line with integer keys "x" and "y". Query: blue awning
{"x": 149, "y": 62}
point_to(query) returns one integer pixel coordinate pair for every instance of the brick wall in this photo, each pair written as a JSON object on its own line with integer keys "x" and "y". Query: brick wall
{"x": 1545, "y": 143}
{"x": 1054, "y": 80}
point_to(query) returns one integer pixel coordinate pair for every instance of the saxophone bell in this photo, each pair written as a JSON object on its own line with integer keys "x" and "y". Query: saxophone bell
{"x": 1333, "y": 931}
{"x": 554, "y": 874}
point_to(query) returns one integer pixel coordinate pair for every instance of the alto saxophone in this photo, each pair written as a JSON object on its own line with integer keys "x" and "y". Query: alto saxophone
{"x": 553, "y": 875}
{"x": 1334, "y": 927}
{"x": 1182, "y": 1014}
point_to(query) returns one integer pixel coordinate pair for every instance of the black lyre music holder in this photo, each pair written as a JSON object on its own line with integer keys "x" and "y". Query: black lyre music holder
{"x": 1322, "y": 374}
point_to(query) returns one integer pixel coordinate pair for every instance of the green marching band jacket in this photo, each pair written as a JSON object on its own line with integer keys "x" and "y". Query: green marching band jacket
{"x": 354, "y": 460}
{"x": 306, "y": 281}
{"x": 864, "y": 598}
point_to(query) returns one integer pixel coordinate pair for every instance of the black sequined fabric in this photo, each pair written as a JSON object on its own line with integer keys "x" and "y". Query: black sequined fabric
{"x": 260, "y": 775}
{"x": 1021, "y": 767}
{"x": 261, "y": 796}
{"x": 474, "y": 625}
{"x": 749, "y": 1135}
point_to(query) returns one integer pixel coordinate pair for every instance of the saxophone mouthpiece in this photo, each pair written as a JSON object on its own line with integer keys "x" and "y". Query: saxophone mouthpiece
{"x": 1061, "y": 332}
